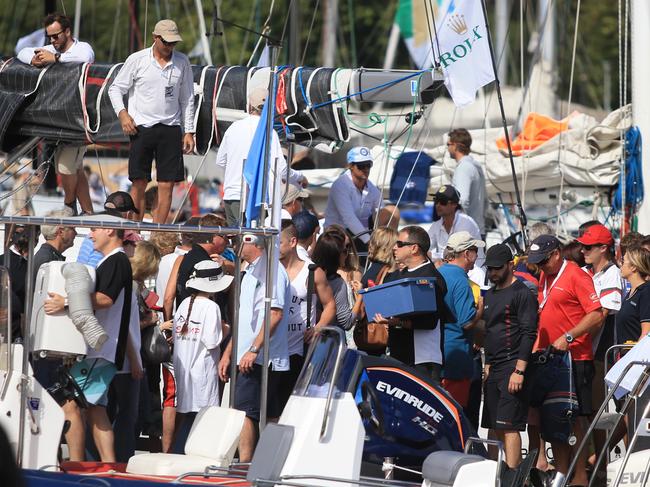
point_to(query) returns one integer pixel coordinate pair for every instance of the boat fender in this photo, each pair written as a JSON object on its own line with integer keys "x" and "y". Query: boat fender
{"x": 78, "y": 286}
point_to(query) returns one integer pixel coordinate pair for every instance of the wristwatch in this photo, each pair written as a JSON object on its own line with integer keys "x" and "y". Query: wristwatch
{"x": 254, "y": 349}
{"x": 57, "y": 55}
{"x": 518, "y": 372}
{"x": 569, "y": 337}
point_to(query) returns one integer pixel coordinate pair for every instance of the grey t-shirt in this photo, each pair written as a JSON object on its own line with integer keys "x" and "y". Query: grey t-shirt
{"x": 469, "y": 180}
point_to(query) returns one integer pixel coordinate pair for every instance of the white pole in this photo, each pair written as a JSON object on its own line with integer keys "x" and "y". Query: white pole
{"x": 77, "y": 19}
{"x": 640, "y": 19}
{"x": 330, "y": 22}
{"x": 502, "y": 14}
{"x": 202, "y": 32}
{"x": 391, "y": 49}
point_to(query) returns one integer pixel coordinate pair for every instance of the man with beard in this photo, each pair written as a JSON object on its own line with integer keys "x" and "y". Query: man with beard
{"x": 510, "y": 313}
{"x": 64, "y": 48}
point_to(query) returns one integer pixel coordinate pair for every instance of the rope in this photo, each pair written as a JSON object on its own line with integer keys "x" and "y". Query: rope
{"x": 568, "y": 112}
{"x": 101, "y": 173}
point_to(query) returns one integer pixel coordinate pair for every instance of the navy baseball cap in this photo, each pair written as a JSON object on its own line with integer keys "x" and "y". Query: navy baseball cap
{"x": 306, "y": 224}
{"x": 447, "y": 193}
{"x": 541, "y": 248}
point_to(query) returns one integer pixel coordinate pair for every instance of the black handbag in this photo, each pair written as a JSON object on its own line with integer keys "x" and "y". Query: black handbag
{"x": 155, "y": 349}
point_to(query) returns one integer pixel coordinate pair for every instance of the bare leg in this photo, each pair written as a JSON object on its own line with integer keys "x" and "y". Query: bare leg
{"x": 512, "y": 446}
{"x": 168, "y": 421}
{"x": 535, "y": 442}
{"x": 76, "y": 435}
{"x": 580, "y": 475}
{"x": 561, "y": 454}
{"x": 69, "y": 183}
{"x": 138, "y": 187}
{"x": 102, "y": 433}
{"x": 83, "y": 192}
{"x": 165, "y": 189}
{"x": 247, "y": 441}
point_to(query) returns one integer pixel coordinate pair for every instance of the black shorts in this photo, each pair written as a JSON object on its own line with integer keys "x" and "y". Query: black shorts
{"x": 165, "y": 144}
{"x": 248, "y": 395}
{"x": 502, "y": 410}
{"x": 583, "y": 373}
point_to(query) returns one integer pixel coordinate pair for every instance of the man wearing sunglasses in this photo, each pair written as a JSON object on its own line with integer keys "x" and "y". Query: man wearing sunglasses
{"x": 68, "y": 159}
{"x": 469, "y": 178}
{"x": 353, "y": 200}
{"x": 452, "y": 220}
{"x": 160, "y": 116}
{"x": 569, "y": 314}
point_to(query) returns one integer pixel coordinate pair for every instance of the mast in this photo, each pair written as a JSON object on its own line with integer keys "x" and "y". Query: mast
{"x": 546, "y": 31}
{"x": 77, "y": 19}
{"x": 205, "y": 44}
{"x": 330, "y": 22}
{"x": 641, "y": 98}
{"x": 502, "y": 11}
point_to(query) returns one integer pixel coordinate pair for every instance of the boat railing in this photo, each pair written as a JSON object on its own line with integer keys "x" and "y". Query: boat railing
{"x": 642, "y": 429}
{"x": 500, "y": 453}
{"x": 638, "y": 386}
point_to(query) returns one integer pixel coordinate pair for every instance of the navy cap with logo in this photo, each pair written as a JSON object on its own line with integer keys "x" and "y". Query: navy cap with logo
{"x": 447, "y": 193}
{"x": 542, "y": 247}
{"x": 306, "y": 224}
{"x": 498, "y": 255}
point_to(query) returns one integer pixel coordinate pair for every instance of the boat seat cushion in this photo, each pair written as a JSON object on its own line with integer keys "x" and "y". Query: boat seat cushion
{"x": 213, "y": 440}
{"x": 441, "y": 467}
{"x": 171, "y": 464}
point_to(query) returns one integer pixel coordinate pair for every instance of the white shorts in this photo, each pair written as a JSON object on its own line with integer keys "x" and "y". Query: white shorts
{"x": 69, "y": 158}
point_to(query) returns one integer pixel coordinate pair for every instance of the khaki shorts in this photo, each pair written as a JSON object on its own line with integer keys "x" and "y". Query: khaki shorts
{"x": 69, "y": 158}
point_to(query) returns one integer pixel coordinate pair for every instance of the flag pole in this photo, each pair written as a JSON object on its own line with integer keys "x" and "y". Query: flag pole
{"x": 520, "y": 208}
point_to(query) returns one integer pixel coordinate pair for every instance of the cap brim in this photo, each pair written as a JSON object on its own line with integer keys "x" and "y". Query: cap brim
{"x": 496, "y": 263}
{"x": 536, "y": 258}
{"x": 171, "y": 37}
{"x": 208, "y": 286}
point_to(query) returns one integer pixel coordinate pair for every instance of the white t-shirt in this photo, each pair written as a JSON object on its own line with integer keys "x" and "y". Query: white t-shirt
{"x": 79, "y": 52}
{"x": 609, "y": 286}
{"x": 165, "y": 270}
{"x": 439, "y": 236}
{"x": 196, "y": 355}
{"x": 297, "y": 312}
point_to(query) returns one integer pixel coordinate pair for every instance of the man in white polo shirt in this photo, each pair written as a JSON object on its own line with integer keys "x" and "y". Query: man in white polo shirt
{"x": 160, "y": 115}
{"x": 68, "y": 159}
{"x": 452, "y": 220}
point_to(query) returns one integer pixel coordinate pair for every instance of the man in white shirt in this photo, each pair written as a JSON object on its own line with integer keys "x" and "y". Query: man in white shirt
{"x": 452, "y": 220}
{"x": 233, "y": 151}
{"x": 251, "y": 341}
{"x": 469, "y": 178}
{"x": 160, "y": 115}
{"x": 68, "y": 159}
{"x": 353, "y": 200}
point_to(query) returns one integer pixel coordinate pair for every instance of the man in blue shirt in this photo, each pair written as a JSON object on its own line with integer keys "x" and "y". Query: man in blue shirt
{"x": 458, "y": 367}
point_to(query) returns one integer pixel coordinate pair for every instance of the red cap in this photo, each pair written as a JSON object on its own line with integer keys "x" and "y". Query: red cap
{"x": 596, "y": 235}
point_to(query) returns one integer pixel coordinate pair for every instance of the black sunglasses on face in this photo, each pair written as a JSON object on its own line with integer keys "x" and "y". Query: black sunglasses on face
{"x": 402, "y": 243}
{"x": 167, "y": 43}
{"x": 53, "y": 36}
{"x": 442, "y": 201}
{"x": 364, "y": 167}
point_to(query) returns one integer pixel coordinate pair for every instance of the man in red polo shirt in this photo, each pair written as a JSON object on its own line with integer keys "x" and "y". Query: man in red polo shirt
{"x": 569, "y": 311}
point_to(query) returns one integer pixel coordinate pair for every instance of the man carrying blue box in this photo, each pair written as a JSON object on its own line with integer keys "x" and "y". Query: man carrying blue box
{"x": 416, "y": 339}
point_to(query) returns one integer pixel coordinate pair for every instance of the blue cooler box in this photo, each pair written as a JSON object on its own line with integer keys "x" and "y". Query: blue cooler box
{"x": 401, "y": 298}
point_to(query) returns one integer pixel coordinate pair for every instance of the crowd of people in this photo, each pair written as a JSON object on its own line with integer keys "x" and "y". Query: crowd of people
{"x": 502, "y": 323}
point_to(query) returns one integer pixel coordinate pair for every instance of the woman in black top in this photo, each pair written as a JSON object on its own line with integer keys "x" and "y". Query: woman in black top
{"x": 633, "y": 320}
{"x": 380, "y": 254}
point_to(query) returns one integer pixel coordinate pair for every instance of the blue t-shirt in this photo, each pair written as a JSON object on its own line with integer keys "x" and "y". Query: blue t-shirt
{"x": 458, "y": 342}
{"x": 87, "y": 253}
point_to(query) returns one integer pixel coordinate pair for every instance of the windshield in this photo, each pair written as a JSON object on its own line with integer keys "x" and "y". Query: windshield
{"x": 317, "y": 373}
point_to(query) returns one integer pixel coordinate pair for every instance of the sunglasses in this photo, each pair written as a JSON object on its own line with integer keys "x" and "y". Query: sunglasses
{"x": 442, "y": 201}
{"x": 53, "y": 36}
{"x": 402, "y": 243}
{"x": 364, "y": 167}
{"x": 589, "y": 247}
{"x": 167, "y": 43}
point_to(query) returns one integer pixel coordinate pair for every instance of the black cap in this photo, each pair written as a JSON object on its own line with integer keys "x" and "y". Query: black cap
{"x": 120, "y": 201}
{"x": 306, "y": 224}
{"x": 498, "y": 255}
{"x": 541, "y": 247}
{"x": 447, "y": 193}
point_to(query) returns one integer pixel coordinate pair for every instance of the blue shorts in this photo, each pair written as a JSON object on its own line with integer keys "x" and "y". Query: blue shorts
{"x": 94, "y": 376}
{"x": 248, "y": 395}
{"x": 553, "y": 392}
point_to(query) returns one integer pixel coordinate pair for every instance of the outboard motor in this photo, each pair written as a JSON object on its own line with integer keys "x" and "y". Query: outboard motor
{"x": 405, "y": 414}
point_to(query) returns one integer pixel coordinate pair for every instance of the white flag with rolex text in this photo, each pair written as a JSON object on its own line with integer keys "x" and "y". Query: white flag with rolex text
{"x": 464, "y": 51}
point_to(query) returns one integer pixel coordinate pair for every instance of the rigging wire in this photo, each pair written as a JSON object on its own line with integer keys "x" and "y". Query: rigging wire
{"x": 311, "y": 26}
{"x": 562, "y": 160}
